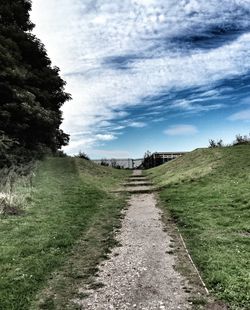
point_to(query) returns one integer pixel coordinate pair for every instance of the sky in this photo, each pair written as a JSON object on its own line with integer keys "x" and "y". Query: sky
{"x": 157, "y": 75}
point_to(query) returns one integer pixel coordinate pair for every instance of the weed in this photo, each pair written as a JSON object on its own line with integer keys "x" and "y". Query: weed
{"x": 13, "y": 178}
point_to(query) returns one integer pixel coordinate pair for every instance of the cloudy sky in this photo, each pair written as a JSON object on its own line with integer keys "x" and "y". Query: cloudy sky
{"x": 158, "y": 75}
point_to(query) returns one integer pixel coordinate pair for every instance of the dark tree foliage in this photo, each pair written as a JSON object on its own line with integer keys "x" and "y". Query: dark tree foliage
{"x": 31, "y": 90}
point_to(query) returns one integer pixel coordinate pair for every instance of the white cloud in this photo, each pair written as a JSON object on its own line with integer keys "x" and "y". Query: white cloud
{"x": 118, "y": 127}
{"x": 243, "y": 115}
{"x": 105, "y": 137}
{"x": 195, "y": 105}
{"x": 180, "y": 130}
{"x": 81, "y": 144}
{"x": 81, "y": 35}
{"x": 137, "y": 124}
{"x": 79, "y": 141}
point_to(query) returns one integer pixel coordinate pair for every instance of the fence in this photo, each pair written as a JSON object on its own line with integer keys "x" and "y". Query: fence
{"x": 126, "y": 163}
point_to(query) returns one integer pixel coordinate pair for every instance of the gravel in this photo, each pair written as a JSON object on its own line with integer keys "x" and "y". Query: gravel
{"x": 140, "y": 273}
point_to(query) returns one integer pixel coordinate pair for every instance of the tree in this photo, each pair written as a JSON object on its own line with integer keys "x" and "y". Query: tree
{"x": 31, "y": 90}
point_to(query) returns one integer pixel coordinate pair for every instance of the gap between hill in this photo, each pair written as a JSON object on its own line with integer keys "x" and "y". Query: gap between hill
{"x": 142, "y": 273}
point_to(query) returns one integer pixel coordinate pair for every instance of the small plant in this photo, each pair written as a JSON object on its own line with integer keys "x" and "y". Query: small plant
{"x": 242, "y": 140}
{"x": 104, "y": 163}
{"x": 213, "y": 143}
{"x": 83, "y": 155}
{"x": 9, "y": 204}
{"x": 220, "y": 143}
{"x": 11, "y": 200}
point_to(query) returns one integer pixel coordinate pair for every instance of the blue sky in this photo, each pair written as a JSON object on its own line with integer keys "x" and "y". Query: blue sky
{"x": 158, "y": 75}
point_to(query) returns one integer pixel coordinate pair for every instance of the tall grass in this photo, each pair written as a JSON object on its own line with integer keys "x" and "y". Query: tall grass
{"x": 12, "y": 179}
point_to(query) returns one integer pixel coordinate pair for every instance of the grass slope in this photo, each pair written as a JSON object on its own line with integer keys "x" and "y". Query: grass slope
{"x": 208, "y": 194}
{"x": 70, "y": 201}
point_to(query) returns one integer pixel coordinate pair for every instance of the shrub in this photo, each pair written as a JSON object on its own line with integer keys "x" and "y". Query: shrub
{"x": 82, "y": 155}
{"x": 213, "y": 143}
{"x": 60, "y": 153}
{"x": 104, "y": 163}
{"x": 242, "y": 140}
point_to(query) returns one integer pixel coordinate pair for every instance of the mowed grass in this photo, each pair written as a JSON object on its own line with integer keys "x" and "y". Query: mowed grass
{"x": 69, "y": 208}
{"x": 208, "y": 195}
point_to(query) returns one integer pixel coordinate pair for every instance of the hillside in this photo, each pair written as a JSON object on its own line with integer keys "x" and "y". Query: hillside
{"x": 207, "y": 193}
{"x": 64, "y": 230}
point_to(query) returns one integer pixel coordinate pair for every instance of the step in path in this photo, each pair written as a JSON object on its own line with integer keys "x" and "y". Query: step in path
{"x": 140, "y": 273}
{"x": 137, "y": 183}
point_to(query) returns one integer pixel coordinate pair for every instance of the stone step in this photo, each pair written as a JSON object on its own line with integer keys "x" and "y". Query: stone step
{"x": 140, "y": 189}
{"x": 136, "y": 189}
{"x": 134, "y": 183}
{"x": 138, "y": 179}
{"x": 137, "y": 176}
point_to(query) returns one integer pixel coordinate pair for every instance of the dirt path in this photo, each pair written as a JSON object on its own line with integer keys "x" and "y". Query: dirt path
{"x": 140, "y": 273}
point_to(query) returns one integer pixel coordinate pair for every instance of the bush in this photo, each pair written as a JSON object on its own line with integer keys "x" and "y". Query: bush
{"x": 213, "y": 143}
{"x": 82, "y": 155}
{"x": 242, "y": 140}
{"x": 113, "y": 163}
{"x": 104, "y": 163}
{"x": 60, "y": 153}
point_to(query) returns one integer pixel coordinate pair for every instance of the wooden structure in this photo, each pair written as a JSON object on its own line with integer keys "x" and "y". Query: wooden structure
{"x": 149, "y": 161}
{"x": 159, "y": 158}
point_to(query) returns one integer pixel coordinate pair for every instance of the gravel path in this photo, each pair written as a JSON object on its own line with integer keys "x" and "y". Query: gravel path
{"x": 139, "y": 273}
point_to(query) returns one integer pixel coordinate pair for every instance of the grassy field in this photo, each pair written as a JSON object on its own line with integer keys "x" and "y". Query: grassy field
{"x": 64, "y": 231}
{"x": 208, "y": 195}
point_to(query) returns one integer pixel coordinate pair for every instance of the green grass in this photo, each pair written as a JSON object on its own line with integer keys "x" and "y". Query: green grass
{"x": 208, "y": 195}
{"x": 68, "y": 223}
